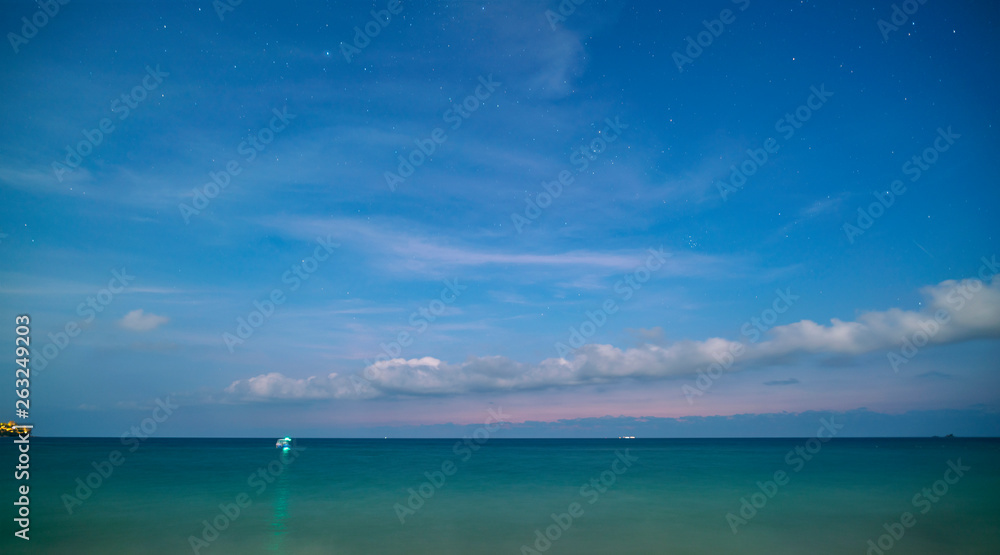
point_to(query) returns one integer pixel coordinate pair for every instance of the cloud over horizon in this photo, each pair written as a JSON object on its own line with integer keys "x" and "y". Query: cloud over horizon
{"x": 954, "y": 311}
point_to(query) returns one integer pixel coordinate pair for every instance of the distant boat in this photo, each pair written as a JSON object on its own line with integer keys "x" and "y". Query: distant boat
{"x": 284, "y": 443}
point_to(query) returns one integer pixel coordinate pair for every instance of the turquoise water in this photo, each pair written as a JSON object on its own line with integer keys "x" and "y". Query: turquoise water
{"x": 670, "y": 496}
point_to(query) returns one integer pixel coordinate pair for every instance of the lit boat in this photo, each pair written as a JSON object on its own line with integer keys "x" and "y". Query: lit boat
{"x": 284, "y": 443}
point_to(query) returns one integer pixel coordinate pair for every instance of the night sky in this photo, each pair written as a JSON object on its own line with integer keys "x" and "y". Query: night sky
{"x": 301, "y": 218}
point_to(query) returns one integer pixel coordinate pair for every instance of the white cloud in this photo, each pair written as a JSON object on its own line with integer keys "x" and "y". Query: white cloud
{"x": 137, "y": 320}
{"x": 276, "y": 386}
{"x": 968, "y": 318}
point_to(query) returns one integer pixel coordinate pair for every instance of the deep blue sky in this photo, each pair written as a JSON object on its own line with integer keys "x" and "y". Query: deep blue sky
{"x": 672, "y": 139}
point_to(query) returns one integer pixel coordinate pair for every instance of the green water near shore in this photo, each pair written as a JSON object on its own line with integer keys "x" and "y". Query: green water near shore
{"x": 508, "y": 496}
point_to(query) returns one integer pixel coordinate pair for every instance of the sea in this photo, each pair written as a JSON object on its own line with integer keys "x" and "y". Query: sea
{"x": 479, "y": 496}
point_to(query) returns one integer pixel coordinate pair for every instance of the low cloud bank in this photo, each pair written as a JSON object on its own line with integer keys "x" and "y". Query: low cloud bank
{"x": 953, "y": 311}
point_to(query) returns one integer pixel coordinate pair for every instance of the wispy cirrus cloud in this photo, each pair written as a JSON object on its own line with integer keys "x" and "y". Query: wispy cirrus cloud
{"x": 823, "y": 206}
{"x": 411, "y": 250}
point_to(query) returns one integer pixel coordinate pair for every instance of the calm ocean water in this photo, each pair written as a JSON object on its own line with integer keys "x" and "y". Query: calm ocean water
{"x": 431, "y": 496}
